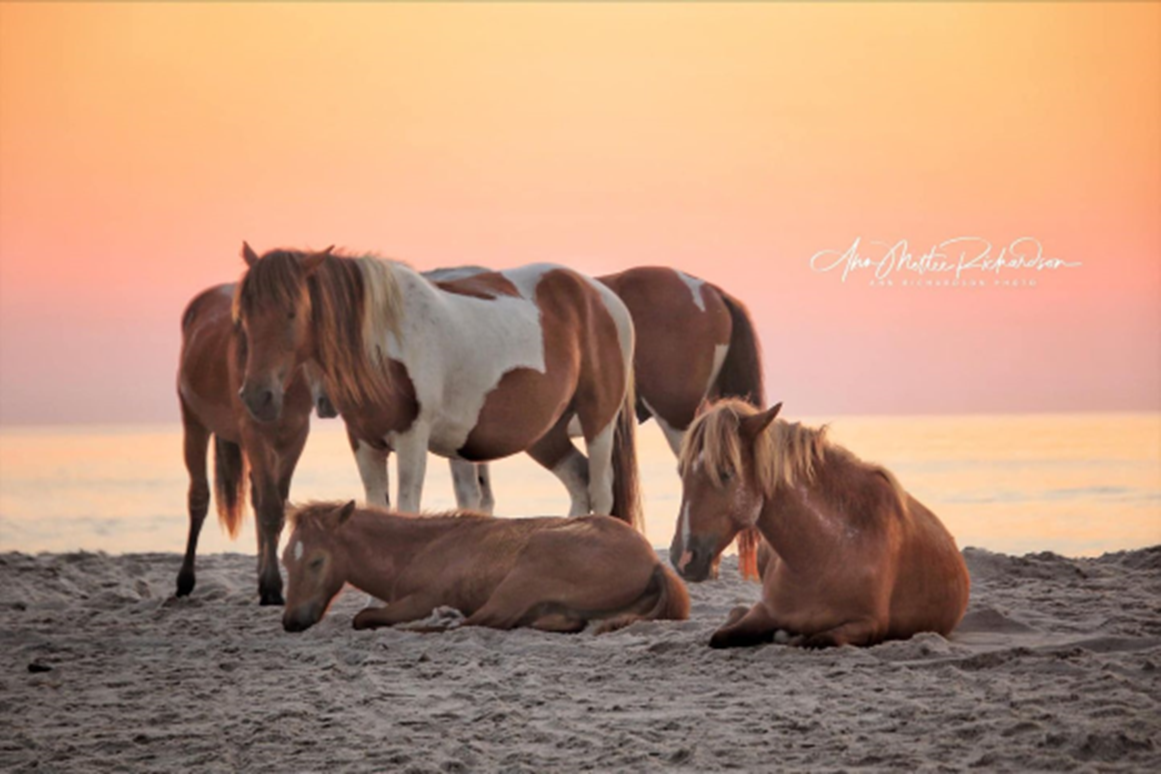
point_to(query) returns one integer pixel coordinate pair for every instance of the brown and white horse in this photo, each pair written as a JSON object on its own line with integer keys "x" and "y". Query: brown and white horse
{"x": 854, "y": 558}
{"x": 208, "y": 380}
{"x": 695, "y": 342}
{"x": 473, "y": 369}
{"x": 553, "y": 574}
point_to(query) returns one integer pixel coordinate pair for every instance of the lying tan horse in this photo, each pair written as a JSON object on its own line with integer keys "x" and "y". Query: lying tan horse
{"x": 854, "y": 560}
{"x": 553, "y": 574}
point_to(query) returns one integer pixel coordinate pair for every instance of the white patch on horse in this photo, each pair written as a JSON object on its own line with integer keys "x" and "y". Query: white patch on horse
{"x": 672, "y": 434}
{"x": 720, "y": 352}
{"x": 226, "y": 290}
{"x": 298, "y": 550}
{"x": 684, "y": 525}
{"x": 456, "y": 348}
{"x": 695, "y": 285}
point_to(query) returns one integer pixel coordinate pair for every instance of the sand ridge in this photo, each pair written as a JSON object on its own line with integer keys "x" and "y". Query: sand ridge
{"x": 1055, "y": 667}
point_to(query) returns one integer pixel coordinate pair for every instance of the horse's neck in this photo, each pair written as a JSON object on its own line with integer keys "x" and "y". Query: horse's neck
{"x": 801, "y": 520}
{"x": 379, "y": 546}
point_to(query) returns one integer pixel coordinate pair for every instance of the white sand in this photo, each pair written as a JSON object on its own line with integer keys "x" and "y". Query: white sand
{"x": 1056, "y": 667}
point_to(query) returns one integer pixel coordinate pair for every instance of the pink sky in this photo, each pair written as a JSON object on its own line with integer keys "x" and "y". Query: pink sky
{"x": 141, "y": 143}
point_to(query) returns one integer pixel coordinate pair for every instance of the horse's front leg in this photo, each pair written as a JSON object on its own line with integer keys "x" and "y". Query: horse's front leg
{"x": 413, "y": 607}
{"x": 412, "y": 450}
{"x": 743, "y": 629}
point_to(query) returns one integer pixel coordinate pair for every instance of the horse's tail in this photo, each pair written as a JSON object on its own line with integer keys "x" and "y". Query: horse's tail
{"x": 230, "y": 476}
{"x": 671, "y": 603}
{"x": 626, "y": 487}
{"x": 741, "y": 372}
{"x": 748, "y": 540}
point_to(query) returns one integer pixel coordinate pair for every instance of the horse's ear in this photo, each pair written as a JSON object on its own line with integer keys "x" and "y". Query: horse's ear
{"x": 344, "y": 514}
{"x": 754, "y": 425}
{"x": 311, "y": 261}
{"x": 248, "y": 254}
{"x": 702, "y": 407}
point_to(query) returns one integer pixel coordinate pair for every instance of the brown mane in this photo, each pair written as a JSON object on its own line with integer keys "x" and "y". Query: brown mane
{"x": 349, "y": 302}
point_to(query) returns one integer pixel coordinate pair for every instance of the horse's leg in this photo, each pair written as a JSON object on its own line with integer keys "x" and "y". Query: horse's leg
{"x": 372, "y": 463}
{"x": 556, "y": 453}
{"x": 600, "y": 452}
{"x": 752, "y": 628}
{"x": 487, "y": 498}
{"x": 412, "y": 450}
{"x": 197, "y": 441}
{"x": 861, "y": 631}
{"x": 269, "y": 517}
{"x": 673, "y": 435}
{"x": 561, "y": 623}
{"x": 466, "y": 484}
{"x": 410, "y": 608}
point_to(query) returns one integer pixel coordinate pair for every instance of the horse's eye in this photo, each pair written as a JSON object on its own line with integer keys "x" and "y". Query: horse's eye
{"x": 727, "y": 474}
{"x": 316, "y": 563}
{"x": 292, "y": 314}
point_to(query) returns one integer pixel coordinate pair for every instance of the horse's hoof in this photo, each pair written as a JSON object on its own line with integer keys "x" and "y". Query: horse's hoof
{"x": 185, "y": 585}
{"x": 274, "y": 598}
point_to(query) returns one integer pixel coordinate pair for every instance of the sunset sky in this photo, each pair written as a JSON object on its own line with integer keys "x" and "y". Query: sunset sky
{"x": 141, "y": 143}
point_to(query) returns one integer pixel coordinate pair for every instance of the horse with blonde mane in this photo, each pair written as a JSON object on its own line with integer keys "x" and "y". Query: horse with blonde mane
{"x": 472, "y": 369}
{"x": 553, "y": 574}
{"x": 854, "y": 559}
{"x": 208, "y": 381}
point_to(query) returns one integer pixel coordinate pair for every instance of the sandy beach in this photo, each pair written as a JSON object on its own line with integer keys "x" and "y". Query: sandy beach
{"x": 1056, "y": 667}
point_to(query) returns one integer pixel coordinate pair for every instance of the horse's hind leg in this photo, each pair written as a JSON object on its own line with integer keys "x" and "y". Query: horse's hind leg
{"x": 556, "y": 452}
{"x": 862, "y": 631}
{"x": 197, "y": 441}
{"x": 561, "y": 623}
{"x": 750, "y": 628}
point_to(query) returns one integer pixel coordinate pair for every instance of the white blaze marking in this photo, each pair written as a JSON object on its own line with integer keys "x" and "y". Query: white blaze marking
{"x": 695, "y": 286}
{"x": 684, "y": 522}
{"x": 298, "y": 550}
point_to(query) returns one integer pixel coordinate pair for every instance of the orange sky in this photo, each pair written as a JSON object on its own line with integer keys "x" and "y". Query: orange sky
{"x": 141, "y": 143}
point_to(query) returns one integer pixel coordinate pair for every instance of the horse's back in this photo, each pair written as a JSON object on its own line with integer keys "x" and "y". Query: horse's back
{"x": 203, "y": 373}
{"x": 933, "y": 584}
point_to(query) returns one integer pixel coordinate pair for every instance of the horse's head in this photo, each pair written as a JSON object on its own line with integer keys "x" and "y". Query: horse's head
{"x": 722, "y": 491}
{"x": 314, "y": 572}
{"x": 272, "y": 309}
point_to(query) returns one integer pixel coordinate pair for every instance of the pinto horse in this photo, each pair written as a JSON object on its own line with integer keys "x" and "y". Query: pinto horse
{"x": 208, "y": 380}
{"x": 695, "y": 342}
{"x": 473, "y": 369}
{"x": 854, "y": 559}
{"x": 554, "y": 574}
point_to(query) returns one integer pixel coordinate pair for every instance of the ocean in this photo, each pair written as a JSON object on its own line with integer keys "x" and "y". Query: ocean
{"x": 1074, "y": 484}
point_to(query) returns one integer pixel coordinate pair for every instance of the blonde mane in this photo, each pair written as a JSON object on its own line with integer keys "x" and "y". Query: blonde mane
{"x": 353, "y": 303}
{"x": 784, "y": 455}
{"x": 311, "y": 514}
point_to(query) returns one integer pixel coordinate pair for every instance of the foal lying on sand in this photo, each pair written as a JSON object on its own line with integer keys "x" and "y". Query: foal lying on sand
{"x": 554, "y": 574}
{"x": 853, "y": 559}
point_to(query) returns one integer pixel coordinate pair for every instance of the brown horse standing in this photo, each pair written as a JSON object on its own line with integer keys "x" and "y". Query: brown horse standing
{"x": 855, "y": 559}
{"x": 553, "y": 574}
{"x": 208, "y": 381}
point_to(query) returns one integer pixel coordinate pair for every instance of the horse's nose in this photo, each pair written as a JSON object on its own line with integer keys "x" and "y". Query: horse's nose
{"x": 262, "y": 402}
{"x": 291, "y": 623}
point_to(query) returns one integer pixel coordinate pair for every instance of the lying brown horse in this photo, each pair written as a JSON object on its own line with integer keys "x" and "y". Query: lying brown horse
{"x": 854, "y": 560}
{"x": 554, "y": 574}
{"x": 208, "y": 381}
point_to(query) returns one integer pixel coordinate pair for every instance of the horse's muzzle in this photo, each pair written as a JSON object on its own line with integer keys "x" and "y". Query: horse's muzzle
{"x": 264, "y": 404}
{"x": 696, "y": 561}
{"x": 299, "y": 620}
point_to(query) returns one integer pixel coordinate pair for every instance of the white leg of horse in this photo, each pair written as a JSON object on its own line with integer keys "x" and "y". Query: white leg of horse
{"x": 487, "y": 499}
{"x": 600, "y": 451}
{"x": 466, "y": 484}
{"x": 573, "y": 472}
{"x": 411, "y": 451}
{"x": 672, "y": 435}
{"x": 373, "y": 470}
